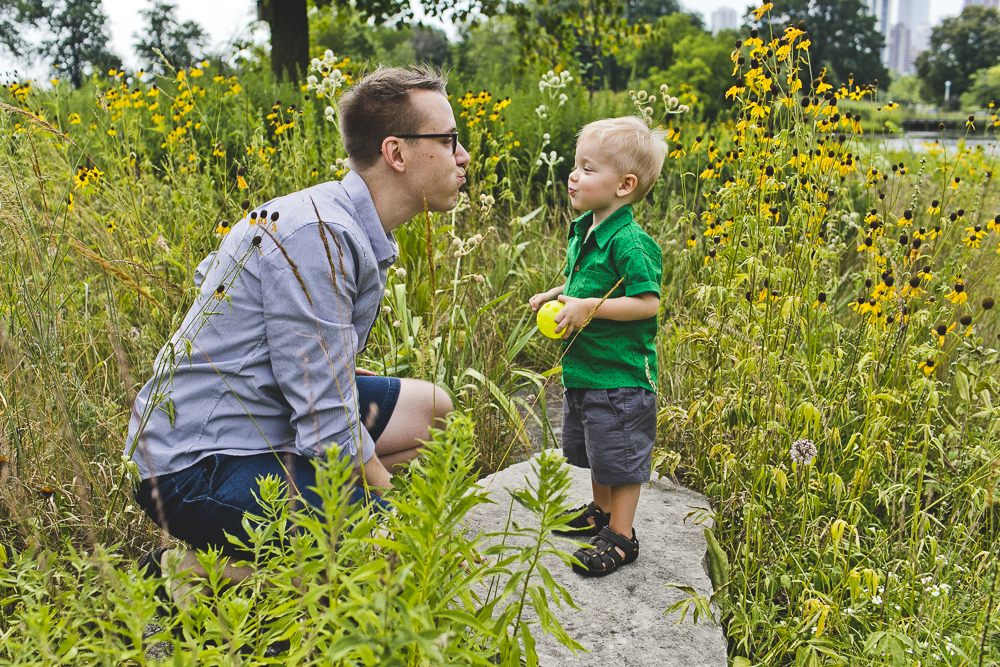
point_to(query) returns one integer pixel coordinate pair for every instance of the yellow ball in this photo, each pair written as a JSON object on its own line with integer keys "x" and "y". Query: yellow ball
{"x": 547, "y": 319}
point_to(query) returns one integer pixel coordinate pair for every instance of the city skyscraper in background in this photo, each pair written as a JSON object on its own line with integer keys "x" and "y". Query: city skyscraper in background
{"x": 984, "y": 3}
{"x": 723, "y": 18}
{"x": 911, "y": 33}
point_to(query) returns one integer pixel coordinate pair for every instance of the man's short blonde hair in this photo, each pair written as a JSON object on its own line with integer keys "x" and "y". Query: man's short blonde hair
{"x": 632, "y": 146}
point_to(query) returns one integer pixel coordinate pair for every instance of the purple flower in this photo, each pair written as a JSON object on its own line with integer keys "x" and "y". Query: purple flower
{"x": 803, "y": 451}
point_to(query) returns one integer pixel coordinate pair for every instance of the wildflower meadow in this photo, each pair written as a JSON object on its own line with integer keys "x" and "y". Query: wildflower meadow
{"x": 828, "y": 346}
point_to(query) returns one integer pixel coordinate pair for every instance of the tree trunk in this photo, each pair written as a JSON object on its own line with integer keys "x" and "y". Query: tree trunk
{"x": 289, "y": 23}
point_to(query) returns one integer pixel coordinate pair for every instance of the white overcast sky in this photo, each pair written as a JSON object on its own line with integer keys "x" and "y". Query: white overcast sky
{"x": 225, "y": 19}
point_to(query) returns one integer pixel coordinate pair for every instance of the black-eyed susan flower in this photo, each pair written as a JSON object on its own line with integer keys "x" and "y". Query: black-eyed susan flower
{"x": 820, "y": 301}
{"x": 867, "y": 244}
{"x": 220, "y": 292}
{"x": 240, "y": 181}
{"x": 966, "y": 321}
{"x": 678, "y": 151}
{"x": 941, "y": 330}
{"x": 934, "y": 233}
{"x": 956, "y": 183}
{"x": 958, "y": 295}
{"x": 906, "y": 219}
{"x": 712, "y": 254}
{"x": 921, "y": 234}
{"x": 692, "y": 241}
{"x": 993, "y": 224}
{"x": 111, "y": 226}
{"x": 912, "y": 288}
{"x": 223, "y": 228}
{"x": 974, "y": 236}
{"x": 927, "y": 366}
{"x": 934, "y": 208}
{"x": 987, "y": 303}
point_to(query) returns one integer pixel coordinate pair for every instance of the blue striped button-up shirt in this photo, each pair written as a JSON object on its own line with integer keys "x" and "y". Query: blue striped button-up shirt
{"x": 265, "y": 358}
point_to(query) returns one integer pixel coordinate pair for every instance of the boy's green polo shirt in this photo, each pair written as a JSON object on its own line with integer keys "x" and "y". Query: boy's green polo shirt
{"x": 608, "y": 354}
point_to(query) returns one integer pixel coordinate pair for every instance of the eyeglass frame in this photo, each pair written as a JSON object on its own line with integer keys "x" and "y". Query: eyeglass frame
{"x": 439, "y": 135}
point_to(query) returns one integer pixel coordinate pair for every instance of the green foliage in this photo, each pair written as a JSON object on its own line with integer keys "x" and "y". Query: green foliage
{"x": 985, "y": 89}
{"x": 843, "y": 36}
{"x": 961, "y": 46}
{"x": 905, "y": 90}
{"x": 346, "y": 587}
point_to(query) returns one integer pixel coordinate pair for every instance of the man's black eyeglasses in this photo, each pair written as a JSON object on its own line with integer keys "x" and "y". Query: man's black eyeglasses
{"x": 453, "y": 135}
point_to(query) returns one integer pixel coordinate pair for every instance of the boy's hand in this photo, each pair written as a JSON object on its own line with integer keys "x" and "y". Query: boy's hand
{"x": 543, "y": 298}
{"x": 538, "y": 301}
{"x": 573, "y": 315}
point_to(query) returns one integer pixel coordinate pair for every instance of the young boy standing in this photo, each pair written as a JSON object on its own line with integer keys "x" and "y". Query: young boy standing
{"x": 609, "y": 367}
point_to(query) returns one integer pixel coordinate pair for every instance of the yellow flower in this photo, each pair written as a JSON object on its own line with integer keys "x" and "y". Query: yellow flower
{"x": 241, "y": 183}
{"x": 111, "y": 226}
{"x": 934, "y": 208}
{"x": 956, "y": 183}
{"x": 693, "y": 241}
{"x": 763, "y": 9}
{"x": 927, "y": 366}
{"x": 867, "y": 244}
{"x": 74, "y": 119}
{"x": 958, "y": 295}
{"x": 69, "y": 203}
{"x": 820, "y": 301}
{"x": 196, "y": 72}
{"x": 940, "y": 331}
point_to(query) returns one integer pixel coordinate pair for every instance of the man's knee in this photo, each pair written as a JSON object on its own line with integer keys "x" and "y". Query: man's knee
{"x": 441, "y": 404}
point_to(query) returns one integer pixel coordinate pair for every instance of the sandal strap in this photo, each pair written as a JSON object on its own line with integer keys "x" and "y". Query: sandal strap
{"x": 620, "y": 541}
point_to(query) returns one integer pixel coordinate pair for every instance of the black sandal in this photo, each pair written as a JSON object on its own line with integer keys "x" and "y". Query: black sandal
{"x": 602, "y": 557}
{"x": 579, "y": 526}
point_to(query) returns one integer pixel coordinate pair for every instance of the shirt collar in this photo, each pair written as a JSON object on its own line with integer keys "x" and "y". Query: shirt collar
{"x": 607, "y": 229}
{"x": 384, "y": 245}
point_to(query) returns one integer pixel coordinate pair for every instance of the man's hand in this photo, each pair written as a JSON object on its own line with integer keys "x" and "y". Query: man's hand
{"x": 363, "y": 371}
{"x": 574, "y": 314}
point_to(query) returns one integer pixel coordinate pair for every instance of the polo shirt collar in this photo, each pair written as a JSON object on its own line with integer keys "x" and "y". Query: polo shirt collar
{"x": 607, "y": 229}
{"x": 383, "y": 244}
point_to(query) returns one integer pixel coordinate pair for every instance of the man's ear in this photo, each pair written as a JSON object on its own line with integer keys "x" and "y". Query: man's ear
{"x": 628, "y": 185}
{"x": 392, "y": 153}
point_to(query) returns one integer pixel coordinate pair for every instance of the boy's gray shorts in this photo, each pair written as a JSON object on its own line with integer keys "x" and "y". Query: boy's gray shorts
{"x": 610, "y": 431}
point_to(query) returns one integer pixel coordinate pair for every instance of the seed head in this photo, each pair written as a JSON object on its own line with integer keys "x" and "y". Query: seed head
{"x": 803, "y": 451}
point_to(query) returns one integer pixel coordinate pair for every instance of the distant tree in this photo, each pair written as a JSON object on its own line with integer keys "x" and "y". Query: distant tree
{"x": 960, "y": 46}
{"x": 289, "y": 23}
{"x": 649, "y": 11}
{"x": 985, "y": 88}
{"x": 14, "y": 16}
{"x": 843, "y": 36}
{"x": 180, "y": 43}
{"x": 78, "y": 39}
{"x": 430, "y": 45}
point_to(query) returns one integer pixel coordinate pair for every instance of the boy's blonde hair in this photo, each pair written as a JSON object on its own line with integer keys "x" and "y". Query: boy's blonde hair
{"x": 632, "y": 146}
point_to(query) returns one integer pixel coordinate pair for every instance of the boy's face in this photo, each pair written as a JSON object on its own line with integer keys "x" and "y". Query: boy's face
{"x": 595, "y": 182}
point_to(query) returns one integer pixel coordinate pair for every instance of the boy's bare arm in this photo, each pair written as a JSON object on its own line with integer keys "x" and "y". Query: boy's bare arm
{"x": 622, "y": 309}
{"x": 628, "y": 308}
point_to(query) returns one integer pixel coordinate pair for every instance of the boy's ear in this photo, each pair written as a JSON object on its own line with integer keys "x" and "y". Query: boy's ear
{"x": 628, "y": 185}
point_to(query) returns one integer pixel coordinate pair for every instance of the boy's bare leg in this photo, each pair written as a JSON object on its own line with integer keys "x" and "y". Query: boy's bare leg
{"x": 620, "y": 502}
{"x": 602, "y": 497}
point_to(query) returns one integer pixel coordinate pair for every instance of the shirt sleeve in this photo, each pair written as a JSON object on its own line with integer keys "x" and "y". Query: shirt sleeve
{"x": 642, "y": 271}
{"x": 308, "y": 324}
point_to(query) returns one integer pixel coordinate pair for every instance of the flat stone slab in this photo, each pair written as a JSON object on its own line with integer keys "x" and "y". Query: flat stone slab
{"x": 621, "y": 620}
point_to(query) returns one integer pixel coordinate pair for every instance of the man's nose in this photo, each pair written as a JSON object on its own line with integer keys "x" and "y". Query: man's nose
{"x": 461, "y": 155}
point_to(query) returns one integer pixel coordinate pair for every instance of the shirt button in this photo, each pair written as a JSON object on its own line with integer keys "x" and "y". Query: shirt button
{"x": 577, "y": 268}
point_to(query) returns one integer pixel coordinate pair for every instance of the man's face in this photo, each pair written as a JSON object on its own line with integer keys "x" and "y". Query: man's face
{"x": 437, "y": 174}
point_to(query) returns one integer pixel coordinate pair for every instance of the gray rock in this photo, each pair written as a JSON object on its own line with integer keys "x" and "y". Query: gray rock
{"x": 622, "y": 619}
